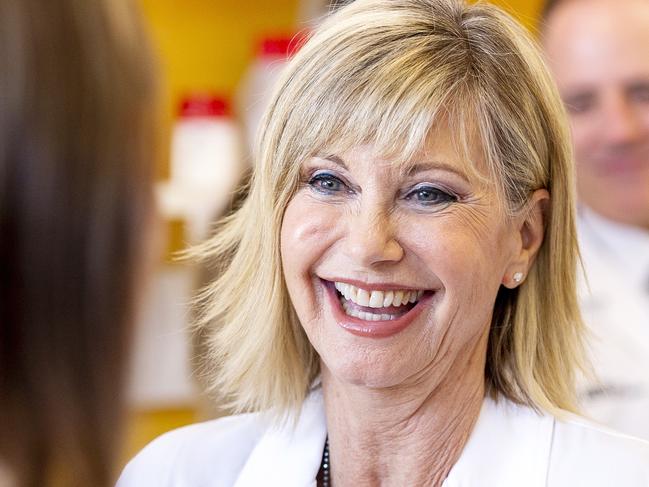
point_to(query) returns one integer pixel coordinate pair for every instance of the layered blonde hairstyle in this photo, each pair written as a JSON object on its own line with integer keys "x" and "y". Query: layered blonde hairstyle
{"x": 385, "y": 73}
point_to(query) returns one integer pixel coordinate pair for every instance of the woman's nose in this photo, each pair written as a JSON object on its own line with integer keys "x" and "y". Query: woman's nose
{"x": 371, "y": 240}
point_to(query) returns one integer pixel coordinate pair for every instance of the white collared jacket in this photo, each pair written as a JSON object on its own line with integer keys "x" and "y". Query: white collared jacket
{"x": 510, "y": 446}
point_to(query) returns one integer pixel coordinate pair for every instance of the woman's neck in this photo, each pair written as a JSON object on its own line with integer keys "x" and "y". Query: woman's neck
{"x": 407, "y": 435}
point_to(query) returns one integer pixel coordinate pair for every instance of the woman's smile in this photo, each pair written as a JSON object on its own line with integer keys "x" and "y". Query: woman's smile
{"x": 376, "y": 311}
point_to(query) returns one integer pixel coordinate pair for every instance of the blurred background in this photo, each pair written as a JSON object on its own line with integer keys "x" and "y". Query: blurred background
{"x": 219, "y": 59}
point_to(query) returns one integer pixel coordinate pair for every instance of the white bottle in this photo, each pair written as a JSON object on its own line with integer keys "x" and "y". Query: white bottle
{"x": 206, "y": 164}
{"x": 256, "y": 89}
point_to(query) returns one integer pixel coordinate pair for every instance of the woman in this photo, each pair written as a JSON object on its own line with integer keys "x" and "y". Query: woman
{"x": 76, "y": 130}
{"x": 397, "y": 292}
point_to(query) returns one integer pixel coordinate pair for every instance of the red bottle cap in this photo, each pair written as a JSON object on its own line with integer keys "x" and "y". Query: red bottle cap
{"x": 204, "y": 105}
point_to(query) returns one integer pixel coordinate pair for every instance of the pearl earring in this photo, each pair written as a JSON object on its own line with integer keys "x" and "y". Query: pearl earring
{"x": 517, "y": 277}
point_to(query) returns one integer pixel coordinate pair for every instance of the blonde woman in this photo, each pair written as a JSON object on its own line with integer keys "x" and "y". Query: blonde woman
{"x": 397, "y": 296}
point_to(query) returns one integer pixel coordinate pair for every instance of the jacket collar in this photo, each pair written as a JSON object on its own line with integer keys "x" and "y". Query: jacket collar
{"x": 509, "y": 446}
{"x": 289, "y": 454}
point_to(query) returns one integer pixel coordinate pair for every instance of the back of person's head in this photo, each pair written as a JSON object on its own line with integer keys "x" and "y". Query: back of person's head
{"x": 76, "y": 126}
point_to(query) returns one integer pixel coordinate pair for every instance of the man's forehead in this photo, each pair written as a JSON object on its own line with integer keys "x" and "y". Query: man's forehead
{"x": 598, "y": 41}
{"x": 576, "y": 19}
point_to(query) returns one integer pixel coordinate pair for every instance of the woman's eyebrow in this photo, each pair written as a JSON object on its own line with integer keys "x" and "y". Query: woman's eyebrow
{"x": 411, "y": 169}
{"x": 335, "y": 159}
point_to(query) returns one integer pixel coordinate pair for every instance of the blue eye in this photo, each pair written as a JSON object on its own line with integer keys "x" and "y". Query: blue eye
{"x": 430, "y": 196}
{"x": 326, "y": 183}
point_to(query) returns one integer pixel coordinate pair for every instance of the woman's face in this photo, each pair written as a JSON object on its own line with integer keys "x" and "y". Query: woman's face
{"x": 393, "y": 270}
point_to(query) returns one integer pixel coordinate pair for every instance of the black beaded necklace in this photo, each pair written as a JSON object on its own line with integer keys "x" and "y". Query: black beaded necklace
{"x": 325, "y": 465}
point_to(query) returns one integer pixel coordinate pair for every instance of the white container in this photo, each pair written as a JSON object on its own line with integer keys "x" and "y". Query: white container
{"x": 256, "y": 89}
{"x": 206, "y": 164}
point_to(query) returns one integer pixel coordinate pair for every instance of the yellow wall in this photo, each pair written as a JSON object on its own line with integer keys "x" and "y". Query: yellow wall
{"x": 526, "y": 11}
{"x": 206, "y": 44}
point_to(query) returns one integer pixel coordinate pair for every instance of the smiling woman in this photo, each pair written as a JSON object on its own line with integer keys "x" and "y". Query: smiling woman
{"x": 399, "y": 285}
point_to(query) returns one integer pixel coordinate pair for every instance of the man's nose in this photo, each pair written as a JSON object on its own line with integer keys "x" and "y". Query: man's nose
{"x": 371, "y": 239}
{"x": 622, "y": 124}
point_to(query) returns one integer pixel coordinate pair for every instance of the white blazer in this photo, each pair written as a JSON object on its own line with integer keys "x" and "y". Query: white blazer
{"x": 510, "y": 446}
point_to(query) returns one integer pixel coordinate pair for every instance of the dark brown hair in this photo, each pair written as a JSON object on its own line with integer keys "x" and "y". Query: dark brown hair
{"x": 76, "y": 128}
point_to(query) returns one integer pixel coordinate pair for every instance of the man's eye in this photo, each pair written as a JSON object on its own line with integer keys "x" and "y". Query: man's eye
{"x": 430, "y": 195}
{"x": 326, "y": 183}
{"x": 640, "y": 92}
{"x": 580, "y": 103}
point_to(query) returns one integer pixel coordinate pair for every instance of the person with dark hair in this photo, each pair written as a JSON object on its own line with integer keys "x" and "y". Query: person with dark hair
{"x": 76, "y": 134}
{"x": 597, "y": 51}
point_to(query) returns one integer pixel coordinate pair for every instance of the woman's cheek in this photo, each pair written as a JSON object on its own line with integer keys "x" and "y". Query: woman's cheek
{"x": 307, "y": 231}
{"x": 305, "y": 237}
{"x": 306, "y": 221}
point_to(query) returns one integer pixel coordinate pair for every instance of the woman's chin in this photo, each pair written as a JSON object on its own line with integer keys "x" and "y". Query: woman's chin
{"x": 365, "y": 371}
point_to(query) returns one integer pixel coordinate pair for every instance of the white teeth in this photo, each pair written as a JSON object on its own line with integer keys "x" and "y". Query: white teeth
{"x": 347, "y": 292}
{"x": 362, "y": 297}
{"x": 375, "y": 298}
{"x": 351, "y": 292}
{"x": 364, "y": 315}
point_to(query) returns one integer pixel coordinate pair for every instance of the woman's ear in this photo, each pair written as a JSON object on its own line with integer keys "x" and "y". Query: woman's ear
{"x": 531, "y": 230}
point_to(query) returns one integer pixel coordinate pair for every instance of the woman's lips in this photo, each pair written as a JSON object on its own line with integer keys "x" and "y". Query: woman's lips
{"x": 373, "y": 329}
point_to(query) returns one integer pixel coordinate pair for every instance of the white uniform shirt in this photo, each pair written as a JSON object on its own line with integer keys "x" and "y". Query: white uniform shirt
{"x": 615, "y": 305}
{"x": 510, "y": 446}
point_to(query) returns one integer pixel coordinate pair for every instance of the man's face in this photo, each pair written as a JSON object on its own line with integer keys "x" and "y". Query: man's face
{"x": 598, "y": 51}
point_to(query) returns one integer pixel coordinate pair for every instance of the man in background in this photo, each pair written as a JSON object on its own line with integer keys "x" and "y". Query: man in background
{"x": 598, "y": 51}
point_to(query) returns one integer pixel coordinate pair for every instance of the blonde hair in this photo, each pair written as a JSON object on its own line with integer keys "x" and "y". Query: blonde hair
{"x": 385, "y": 72}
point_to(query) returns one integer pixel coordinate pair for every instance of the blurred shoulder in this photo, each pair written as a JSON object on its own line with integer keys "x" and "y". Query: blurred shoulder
{"x": 206, "y": 454}
{"x": 585, "y": 453}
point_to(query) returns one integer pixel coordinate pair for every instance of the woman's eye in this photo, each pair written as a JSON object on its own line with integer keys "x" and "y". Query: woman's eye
{"x": 326, "y": 183}
{"x": 430, "y": 195}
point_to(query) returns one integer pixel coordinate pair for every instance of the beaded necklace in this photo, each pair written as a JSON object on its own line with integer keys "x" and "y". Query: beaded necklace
{"x": 324, "y": 466}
